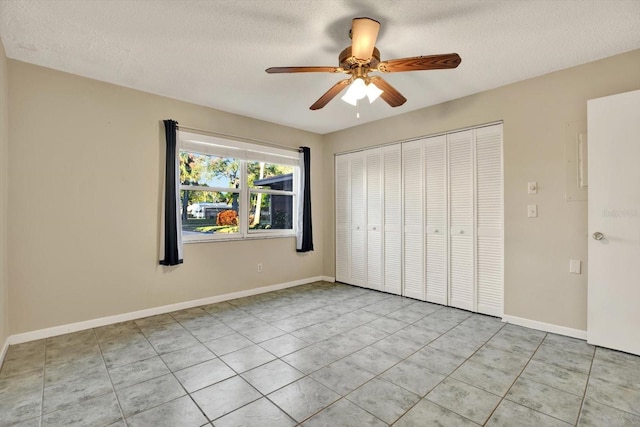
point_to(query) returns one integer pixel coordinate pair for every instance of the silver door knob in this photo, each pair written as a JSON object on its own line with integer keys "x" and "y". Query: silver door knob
{"x": 598, "y": 235}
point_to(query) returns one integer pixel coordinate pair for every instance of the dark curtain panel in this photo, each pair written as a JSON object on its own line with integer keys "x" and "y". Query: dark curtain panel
{"x": 307, "y": 232}
{"x": 172, "y": 228}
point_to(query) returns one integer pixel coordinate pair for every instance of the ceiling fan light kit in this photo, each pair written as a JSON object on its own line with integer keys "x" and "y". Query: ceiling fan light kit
{"x": 358, "y": 89}
{"x": 363, "y": 57}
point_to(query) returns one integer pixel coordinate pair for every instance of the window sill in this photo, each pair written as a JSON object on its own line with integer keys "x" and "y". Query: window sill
{"x": 256, "y": 236}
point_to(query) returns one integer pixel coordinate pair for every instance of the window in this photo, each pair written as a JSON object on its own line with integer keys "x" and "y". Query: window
{"x": 235, "y": 190}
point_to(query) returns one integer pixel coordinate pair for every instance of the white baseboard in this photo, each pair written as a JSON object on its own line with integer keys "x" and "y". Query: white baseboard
{"x": 545, "y": 327}
{"x": 329, "y": 279}
{"x": 3, "y": 352}
{"x": 109, "y": 320}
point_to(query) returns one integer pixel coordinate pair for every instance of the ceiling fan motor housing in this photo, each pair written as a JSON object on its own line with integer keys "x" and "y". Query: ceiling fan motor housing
{"x": 349, "y": 62}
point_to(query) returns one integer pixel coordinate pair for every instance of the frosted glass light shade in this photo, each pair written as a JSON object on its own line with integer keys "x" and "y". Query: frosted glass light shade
{"x": 373, "y": 92}
{"x": 357, "y": 90}
{"x": 350, "y": 99}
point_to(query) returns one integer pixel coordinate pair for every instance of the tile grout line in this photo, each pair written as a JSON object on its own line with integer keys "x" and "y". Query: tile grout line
{"x": 44, "y": 376}
{"x": 158, "y": 355}
{"x": 554, "y": 387}
{"x": 113, "y": 388}
{"x": 279, "y": 358}
{"x": 305, "y": 375}
{"x": 397, "y": 363}
{"x": 514, "y": 381}
{"x": 376, "y": 376}
{"x": 451, "y": 373}
{"x": 584, "y": 395}
{"x": 238, "y": 374}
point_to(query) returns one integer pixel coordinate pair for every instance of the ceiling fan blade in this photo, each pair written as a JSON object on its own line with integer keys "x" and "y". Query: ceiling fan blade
{"x": 275, "y": 70}
{"x": 330, "y": 94}
{"x": 364, "y": 32}
{"x": 390, "y": 95}
{"x": 417, "y": 63}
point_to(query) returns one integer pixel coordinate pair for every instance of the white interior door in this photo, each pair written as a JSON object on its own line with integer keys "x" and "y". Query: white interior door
{"x": 614, "y": 222}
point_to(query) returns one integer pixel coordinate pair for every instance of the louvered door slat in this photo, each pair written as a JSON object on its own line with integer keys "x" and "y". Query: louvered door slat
{"x": 435, "y": 161}
{"x": 392, "y": 254}
{"x": 461, "y": 261}
{"x": 489, "y": 208}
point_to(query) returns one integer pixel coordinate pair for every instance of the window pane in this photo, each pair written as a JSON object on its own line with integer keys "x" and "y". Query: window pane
{"x": 270, "y": 176}
{"x": 209, "y": 212}
{"x": 209, "y": 171}
{"x": 270, "y": 212}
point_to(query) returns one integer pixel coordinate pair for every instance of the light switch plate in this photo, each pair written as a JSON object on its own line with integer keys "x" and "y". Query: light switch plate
{"x": 532, "y": 211}
{"x": 532, "y": 187}
{"x": 575, "y": 266}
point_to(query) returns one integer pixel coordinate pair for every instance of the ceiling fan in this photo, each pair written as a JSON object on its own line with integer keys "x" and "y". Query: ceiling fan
{"x": 361, "y": 58}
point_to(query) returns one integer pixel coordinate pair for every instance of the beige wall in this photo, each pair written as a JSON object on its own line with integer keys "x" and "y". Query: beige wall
{"x": 536, "y": 112}
{"x": 85, "y": 192}
{"x": 85, "y": 180}
{"x": 4, "y": 192}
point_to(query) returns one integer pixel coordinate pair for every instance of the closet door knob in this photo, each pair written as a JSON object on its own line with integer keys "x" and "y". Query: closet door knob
{"x": 461, "y": 231}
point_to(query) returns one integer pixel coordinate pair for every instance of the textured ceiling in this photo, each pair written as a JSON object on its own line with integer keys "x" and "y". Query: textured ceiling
{"x": 214, "y": 52}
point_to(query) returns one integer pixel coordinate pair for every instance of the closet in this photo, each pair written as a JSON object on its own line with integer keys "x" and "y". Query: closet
{"x": 424, "y": 219}
{"x": 369, "y": 219}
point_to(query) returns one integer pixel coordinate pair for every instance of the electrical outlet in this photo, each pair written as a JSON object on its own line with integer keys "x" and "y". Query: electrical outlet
{"x": 259, "y": 268}
{"x": 532, "y": 211}
{"x": 532, "y": 187}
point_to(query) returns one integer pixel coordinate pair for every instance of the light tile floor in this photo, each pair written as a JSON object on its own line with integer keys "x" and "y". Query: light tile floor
{"x": 317, "y": 355}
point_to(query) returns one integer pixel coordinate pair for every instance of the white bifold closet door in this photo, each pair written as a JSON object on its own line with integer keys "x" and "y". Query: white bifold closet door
{"x": 392, "y": 203}
{"x": 424, "y": 219}
{"x": 358, "y": 220}
{"x": 375, "y": 197}
{"x": 461, "y": 220}
{"x": 413, "y": 183}
{"x": 368, "y": 218}
{"x": 489, "y": 222}
{"x": 436, "y": 219}
{"x": 342, "y": 219}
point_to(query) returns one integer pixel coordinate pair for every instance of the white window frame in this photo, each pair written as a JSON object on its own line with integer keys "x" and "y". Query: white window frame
{"x": 244, "y": 152}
